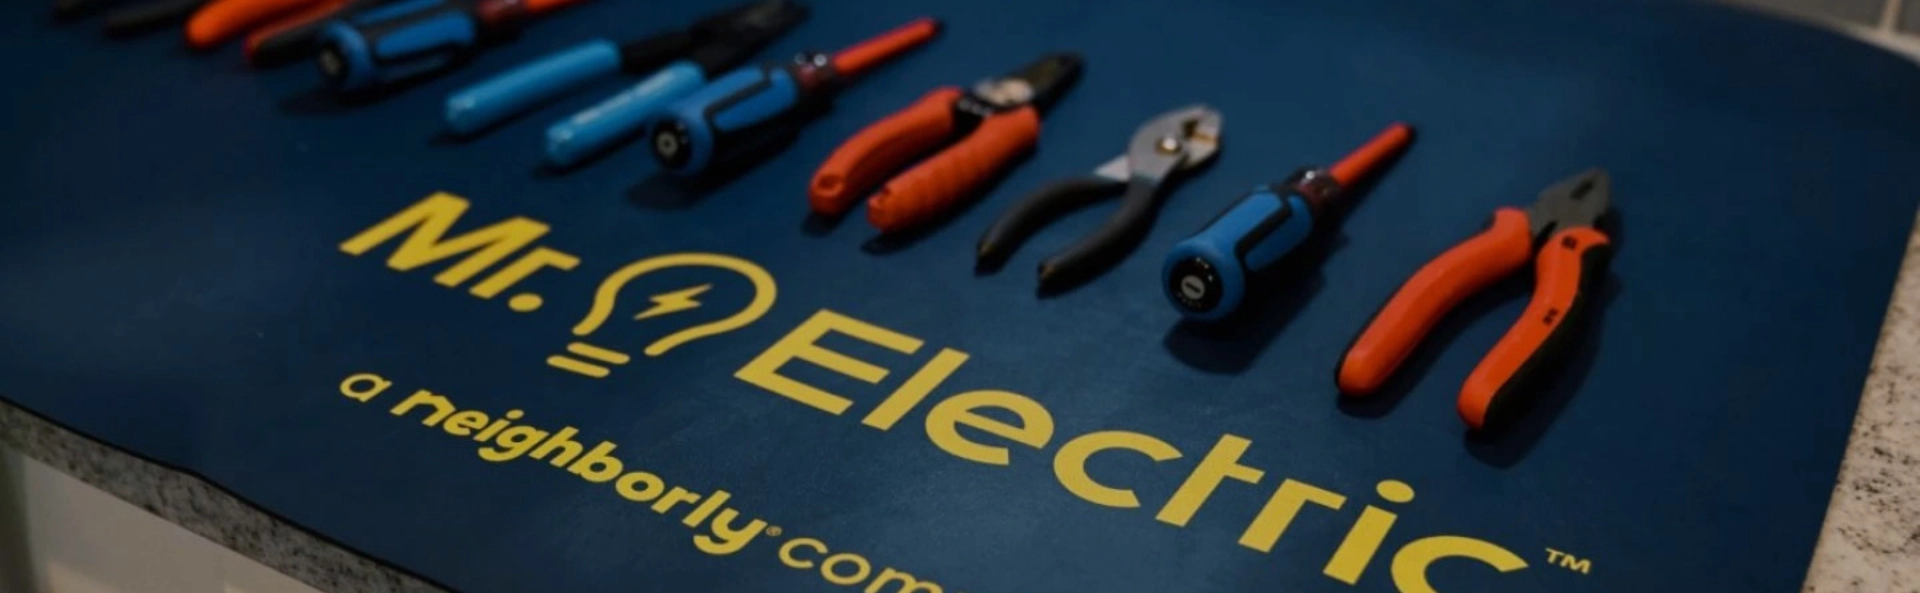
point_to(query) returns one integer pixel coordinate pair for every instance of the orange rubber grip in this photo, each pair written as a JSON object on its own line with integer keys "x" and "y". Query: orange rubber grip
{"x": 1372, "y": 155}
{"x": 1570, "y": 263}
{"x": 297, "y": 17}
{"x": 224, "y": 19}
{"x": 935, "y": 187}
{"x": 1465, "y": 269}
{"x": 859, "y": 58}
{"x": 864, "y": 160}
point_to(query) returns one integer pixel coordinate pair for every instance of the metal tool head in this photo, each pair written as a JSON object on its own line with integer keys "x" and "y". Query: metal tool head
{"x": 1038, "y": 84}
{"x": 1576, "y": 201}
{"x": 1174, "y": 141}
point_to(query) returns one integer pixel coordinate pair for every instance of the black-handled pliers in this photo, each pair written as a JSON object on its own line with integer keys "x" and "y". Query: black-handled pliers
{"x": 1171, "y": 143}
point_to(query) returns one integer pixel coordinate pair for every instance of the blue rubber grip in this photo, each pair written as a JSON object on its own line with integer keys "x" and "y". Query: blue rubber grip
{"x": 484, "y": 104}
{"x": 395, "y": 42}
{"x": 593, "y": 130}
{"x": 1205, "y": 276}
{"x": 692, "y": 131}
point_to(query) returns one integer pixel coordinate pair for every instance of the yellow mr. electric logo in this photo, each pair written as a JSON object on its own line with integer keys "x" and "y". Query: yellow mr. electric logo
{"x": 891, "y": 387}
{"x": 429, "y": 221}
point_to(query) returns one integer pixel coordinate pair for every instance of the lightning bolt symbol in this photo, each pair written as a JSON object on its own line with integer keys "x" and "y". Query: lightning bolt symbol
{"x": 674, "y": 302}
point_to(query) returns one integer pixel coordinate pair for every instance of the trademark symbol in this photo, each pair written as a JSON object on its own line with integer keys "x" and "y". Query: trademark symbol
{"x": 1569, "y": 561}
{"x": 774, "y": 531}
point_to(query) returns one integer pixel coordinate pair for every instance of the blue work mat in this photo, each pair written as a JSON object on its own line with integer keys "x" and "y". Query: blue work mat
{"x": 178, "y": 278}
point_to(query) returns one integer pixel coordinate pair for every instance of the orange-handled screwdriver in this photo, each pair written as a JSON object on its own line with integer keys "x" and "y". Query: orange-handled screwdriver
{"x": 1206, "y": 275}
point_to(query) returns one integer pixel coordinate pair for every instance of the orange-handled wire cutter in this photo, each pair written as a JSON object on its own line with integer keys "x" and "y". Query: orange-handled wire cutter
{"x": 988, "y": 128}
{"x": 1570, "y": 255}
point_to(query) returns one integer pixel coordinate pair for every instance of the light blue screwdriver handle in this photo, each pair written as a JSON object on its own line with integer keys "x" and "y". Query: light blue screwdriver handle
{"x": 621, "y": 116}
{"x": 476, "y": 107}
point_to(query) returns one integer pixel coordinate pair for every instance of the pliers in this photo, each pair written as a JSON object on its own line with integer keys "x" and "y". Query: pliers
{"x": 1570, "y": 254}
{"x": 988, "y": 128}
{"x": 1174, "y": 142}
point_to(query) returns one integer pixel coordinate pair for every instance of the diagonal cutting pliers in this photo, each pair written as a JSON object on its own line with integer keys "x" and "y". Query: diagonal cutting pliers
{"x": 984, "y": 129}
{"x": 1559, "y": 235}
{"x": 1174, "y": 142}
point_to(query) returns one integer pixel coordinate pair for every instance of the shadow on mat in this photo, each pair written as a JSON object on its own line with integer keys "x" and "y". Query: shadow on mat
{"x": 663, "y": 191}
{"x": 324, "y": 100}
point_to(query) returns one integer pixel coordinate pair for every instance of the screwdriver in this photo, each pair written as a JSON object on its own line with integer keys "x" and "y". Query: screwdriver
{"x": 625, "y": 114}
{"x": 761, "y": 105}
{"x": 714, "y": 44}
{"x": 405, "y": 40}
{"x": 1205, "y": 276}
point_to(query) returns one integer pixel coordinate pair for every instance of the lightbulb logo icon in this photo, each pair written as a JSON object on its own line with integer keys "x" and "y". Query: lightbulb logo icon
{"x": 594, "y": 361}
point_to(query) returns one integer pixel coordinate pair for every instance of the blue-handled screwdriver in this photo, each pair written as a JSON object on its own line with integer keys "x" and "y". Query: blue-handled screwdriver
{"x": 674, "y": 59}
{"x": 412, "y": 38}
{"x": 759, "y": 105}
{"x": 1206, "y": 275}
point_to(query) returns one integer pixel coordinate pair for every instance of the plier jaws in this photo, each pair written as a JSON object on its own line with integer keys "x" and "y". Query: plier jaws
{"x": 1577, "y": 201}
{"x": 1171, "y": 143}
{"x": 1175, "y": 141}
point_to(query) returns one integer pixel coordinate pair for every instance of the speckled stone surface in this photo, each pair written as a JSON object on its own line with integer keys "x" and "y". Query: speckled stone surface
{"x": 1869, "y": 544}
{"x": 1871, "y": 540}
{"x": 202, "y": 508}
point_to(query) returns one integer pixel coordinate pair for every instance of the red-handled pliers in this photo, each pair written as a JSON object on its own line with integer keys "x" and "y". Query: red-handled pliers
{"x": 1558, "y": 233}
{"x": 988, "y": 128}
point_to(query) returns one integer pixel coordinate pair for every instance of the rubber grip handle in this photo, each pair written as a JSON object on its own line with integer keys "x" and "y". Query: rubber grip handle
{"x": 880, "y": 149}
{"x": 1205, "y": 275}
{"x": 1566, "y": 276}
{"x": 621, "y": 116}
{"x": 474, "y": 108}
{"x": 727, "y": 117}
{"x": 1109, "y": 243}
{"x": 1441, "y": 284}
{"x": 397, "y": 42}
{"x": 225, "y": 19}
{"x": 1043, "y": 206}
{"x": 935, "y": 187}
{"x": 291, "y": 36}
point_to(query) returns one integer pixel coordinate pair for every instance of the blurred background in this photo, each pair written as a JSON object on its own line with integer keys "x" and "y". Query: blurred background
{"x": 1894, "y": 24}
